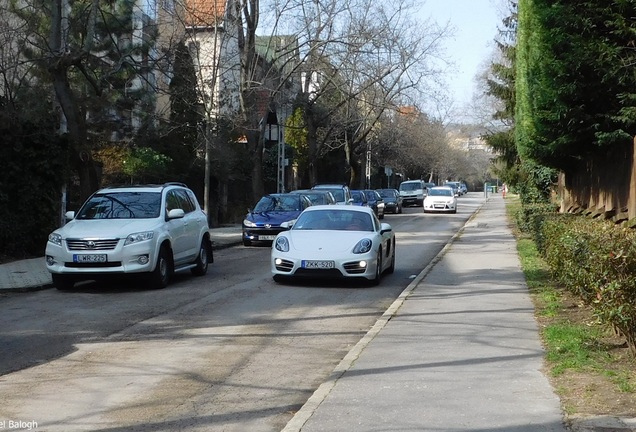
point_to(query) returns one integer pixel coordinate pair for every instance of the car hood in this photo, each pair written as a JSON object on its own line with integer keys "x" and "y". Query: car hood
{"x": 106, "y": 228}
{"x": 273, "y": 218}
{"x": 324, "y": 241}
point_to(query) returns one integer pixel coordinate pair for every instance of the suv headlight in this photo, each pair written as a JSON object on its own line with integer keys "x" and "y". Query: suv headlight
{"x": 139, "y": 237}
{"x": 249, "y": 223}
{"x": 55, "y": 238}
{"x": 363, "y": 246}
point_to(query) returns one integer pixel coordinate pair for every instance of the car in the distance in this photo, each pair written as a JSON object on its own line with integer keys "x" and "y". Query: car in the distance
{"x": 392, "y": 200}
{"x": 338, "y": 242}
{"x": 359, "y": 198}
{"x": 375, "y": 201}
{"x": 141, "y": 230}
{"x": 440, "y": 199}
{"x": 428, "y": 185}
{"x": 316, "y": 196}
{"x": 263, "y": 222}
{"x": 412, "y": 192}
{"x": 453, "y": 185}
{"x": 341, "y": 192}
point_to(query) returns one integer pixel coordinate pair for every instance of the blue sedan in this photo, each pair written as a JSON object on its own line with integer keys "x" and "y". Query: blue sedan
{"x": 262, "y": 223}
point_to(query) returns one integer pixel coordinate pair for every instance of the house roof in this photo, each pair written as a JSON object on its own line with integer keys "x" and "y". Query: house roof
{"x": 204, "y": 13}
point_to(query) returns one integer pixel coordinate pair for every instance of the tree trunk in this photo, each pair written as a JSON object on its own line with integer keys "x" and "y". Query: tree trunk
{"x": 82, "y": 156}
{"x": 255, "y": 142}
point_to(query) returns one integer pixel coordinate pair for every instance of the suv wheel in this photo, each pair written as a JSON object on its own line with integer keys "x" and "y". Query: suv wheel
{"x": 63, "y": 282}
{"x": 201, "y": 263}
{"x": 160, "y": 277}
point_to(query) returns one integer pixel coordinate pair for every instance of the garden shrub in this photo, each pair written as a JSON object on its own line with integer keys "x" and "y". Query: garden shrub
{"x": 596, "y": 260}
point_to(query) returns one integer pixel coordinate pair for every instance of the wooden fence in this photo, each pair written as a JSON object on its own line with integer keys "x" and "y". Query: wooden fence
{"x": 603, "y": 186}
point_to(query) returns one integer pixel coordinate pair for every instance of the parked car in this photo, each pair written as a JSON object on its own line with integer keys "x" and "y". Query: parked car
{"x": 375, "y": 201}
{"x": 340, "y": 191}
{"x": 334, "y": 242}
{"x": 263, "y": 222}
{"x": 359, "y": 198}
{"x": 317, "y": 197}
{"x": 428, "y": 185}
{"x": 149, "y": 230}
{"x": 392, "y": 200}
{"x": 463, "y": 189}
{"x": 440, "y": 199}
{"x": 412, "y": 192}
{"x": 454, "y": 185}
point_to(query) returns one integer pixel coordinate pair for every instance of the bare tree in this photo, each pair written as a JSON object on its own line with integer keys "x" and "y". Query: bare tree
{"x": 90, "y": 52}
{"x": 357, "y": 59}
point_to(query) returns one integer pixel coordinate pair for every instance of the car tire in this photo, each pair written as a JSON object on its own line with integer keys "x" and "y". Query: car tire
{"x": 63, "y": 282}
{"x": 400, "y": 210}
{"x": 201, "y": 263}
{"x": 391, "y": 268}
{"x": 378, "y": 270}
{"x": 160, "y": 277}
{"x": 279, "y": 278}
{"x": 381, "y": 216}
{"x": 454, "y": 211}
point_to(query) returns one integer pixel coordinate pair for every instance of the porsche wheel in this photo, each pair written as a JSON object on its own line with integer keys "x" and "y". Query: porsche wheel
{"x": 378, "y": 270}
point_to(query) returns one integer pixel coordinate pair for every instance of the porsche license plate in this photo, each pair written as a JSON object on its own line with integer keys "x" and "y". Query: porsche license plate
{"x": 310, "y": 264}
{"x": 89, "y": 258}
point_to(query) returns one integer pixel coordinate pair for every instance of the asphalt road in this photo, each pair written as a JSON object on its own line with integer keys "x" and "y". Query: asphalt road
{"x": 231, "y": 351}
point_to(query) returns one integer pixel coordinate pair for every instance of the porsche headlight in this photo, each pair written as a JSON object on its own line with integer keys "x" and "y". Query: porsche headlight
{"x": 281, "y": 244}
{"x": 363, "y": 246}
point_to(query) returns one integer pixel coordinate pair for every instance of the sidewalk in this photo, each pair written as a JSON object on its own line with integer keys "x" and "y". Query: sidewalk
{"x": 31, "y": 274}
{"x": 459, "y": 350}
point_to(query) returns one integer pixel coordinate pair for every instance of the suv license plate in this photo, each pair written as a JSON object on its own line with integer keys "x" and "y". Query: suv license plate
{"x": 318, "y": 264}
{"x": 92, "y": 258}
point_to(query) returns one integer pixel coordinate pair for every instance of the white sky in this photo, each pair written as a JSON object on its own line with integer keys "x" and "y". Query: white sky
{"x": 476, "y": 24}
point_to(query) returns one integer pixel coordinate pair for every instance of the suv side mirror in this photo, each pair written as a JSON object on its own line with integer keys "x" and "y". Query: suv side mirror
{"x": 176, "y": 214}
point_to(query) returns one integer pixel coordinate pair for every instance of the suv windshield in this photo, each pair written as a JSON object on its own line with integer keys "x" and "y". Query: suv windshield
{"x": 122, "y": 205}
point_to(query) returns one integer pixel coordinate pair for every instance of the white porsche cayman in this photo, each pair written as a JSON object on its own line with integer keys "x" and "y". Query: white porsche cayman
{"x": 334, "y": 242}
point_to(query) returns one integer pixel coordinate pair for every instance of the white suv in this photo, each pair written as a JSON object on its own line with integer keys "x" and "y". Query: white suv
{"x": 150, "y": 230}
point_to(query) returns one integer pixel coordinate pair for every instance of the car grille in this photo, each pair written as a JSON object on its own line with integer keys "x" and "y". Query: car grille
{"x": 91, "y": 245}
{"x": 285, "y": 266}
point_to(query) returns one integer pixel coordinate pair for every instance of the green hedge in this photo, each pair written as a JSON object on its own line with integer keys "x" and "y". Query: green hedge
{"x": 596, "y": 260}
